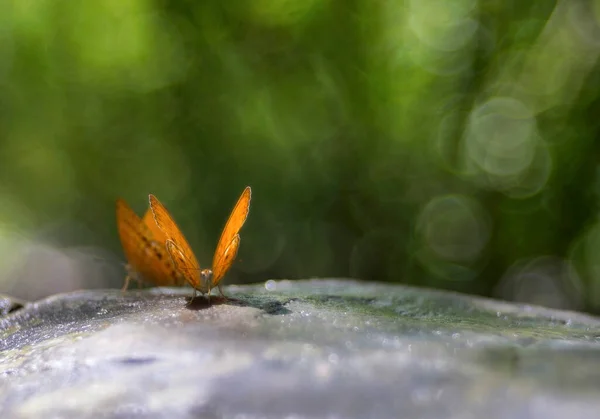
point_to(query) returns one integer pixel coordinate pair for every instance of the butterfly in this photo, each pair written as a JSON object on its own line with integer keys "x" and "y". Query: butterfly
{"x": 144, "y": 247}
{"x": 182, "y": 255}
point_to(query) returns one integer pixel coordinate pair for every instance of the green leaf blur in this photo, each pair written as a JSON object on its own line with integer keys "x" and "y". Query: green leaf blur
{"x": 448, "y": 144}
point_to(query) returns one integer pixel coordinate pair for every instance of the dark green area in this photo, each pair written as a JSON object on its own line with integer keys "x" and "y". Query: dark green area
{"x": 451, "y": 144}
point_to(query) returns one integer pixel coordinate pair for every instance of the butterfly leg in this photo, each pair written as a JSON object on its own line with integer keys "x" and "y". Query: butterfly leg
{"x": 127, "y": 279}
{"x": 193, "y": 296}
{"x": 221, "y": 291}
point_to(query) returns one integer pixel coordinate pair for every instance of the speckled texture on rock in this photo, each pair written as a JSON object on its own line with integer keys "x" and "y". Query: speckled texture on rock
{"x": 301, "y": 349}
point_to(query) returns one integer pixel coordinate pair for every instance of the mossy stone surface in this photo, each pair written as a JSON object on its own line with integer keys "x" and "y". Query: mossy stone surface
{"x": 301, "y": 349}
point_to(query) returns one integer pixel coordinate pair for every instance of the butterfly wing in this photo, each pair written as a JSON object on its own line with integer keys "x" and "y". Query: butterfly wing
{"x": 157, "y": 233}
{"x": 145, "y": 256}
{"x": 230, "y": 240}
{"x": 184, "y": 264}
{"x": 226, "y": 260}
{"x": 190, "y": 268}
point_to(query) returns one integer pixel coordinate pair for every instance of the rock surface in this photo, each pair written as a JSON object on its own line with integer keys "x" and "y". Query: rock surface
{"x": 9, "y": 304}
{"x": 296, "y": 349}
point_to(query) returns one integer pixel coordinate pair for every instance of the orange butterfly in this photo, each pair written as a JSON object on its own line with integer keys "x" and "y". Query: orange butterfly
{"x": 183, "y": 256}
{"x": 144, "y": 246}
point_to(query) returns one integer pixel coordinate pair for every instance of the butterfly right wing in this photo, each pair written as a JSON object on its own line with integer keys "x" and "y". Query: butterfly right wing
{"x": 169, "y": 227}
{"x": 146, "y": 257}
{"x": 226, "y": 260}
{"x": 222, "y": 258}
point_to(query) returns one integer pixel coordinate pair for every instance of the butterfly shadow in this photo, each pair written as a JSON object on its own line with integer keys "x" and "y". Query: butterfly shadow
{"x": 201, "y": 302}
{"x": 271, "y": 306}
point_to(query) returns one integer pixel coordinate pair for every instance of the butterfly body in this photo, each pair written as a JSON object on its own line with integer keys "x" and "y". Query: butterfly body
{"x": 182, "y": 255}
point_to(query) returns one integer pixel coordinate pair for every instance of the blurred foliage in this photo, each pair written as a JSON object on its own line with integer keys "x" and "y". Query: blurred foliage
{"x": 443, "y": 143}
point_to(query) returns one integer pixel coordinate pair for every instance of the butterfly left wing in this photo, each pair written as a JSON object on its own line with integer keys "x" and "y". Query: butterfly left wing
{"x": 146, "y": 257}
{"x": 183, "y": 264}
{"x": 169, "y": 227}
{"x": 230, "y": 240}
{"x": 130, "y": 236}
{"x": 157, "y": 233}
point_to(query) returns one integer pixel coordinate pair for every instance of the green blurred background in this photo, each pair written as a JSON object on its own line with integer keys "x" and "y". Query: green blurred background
{"x": 442, "y": 143}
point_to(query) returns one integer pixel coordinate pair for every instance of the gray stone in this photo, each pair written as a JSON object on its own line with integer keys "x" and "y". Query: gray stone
{"x": 296, "y": 349}
{"x": 9, "y": 304}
